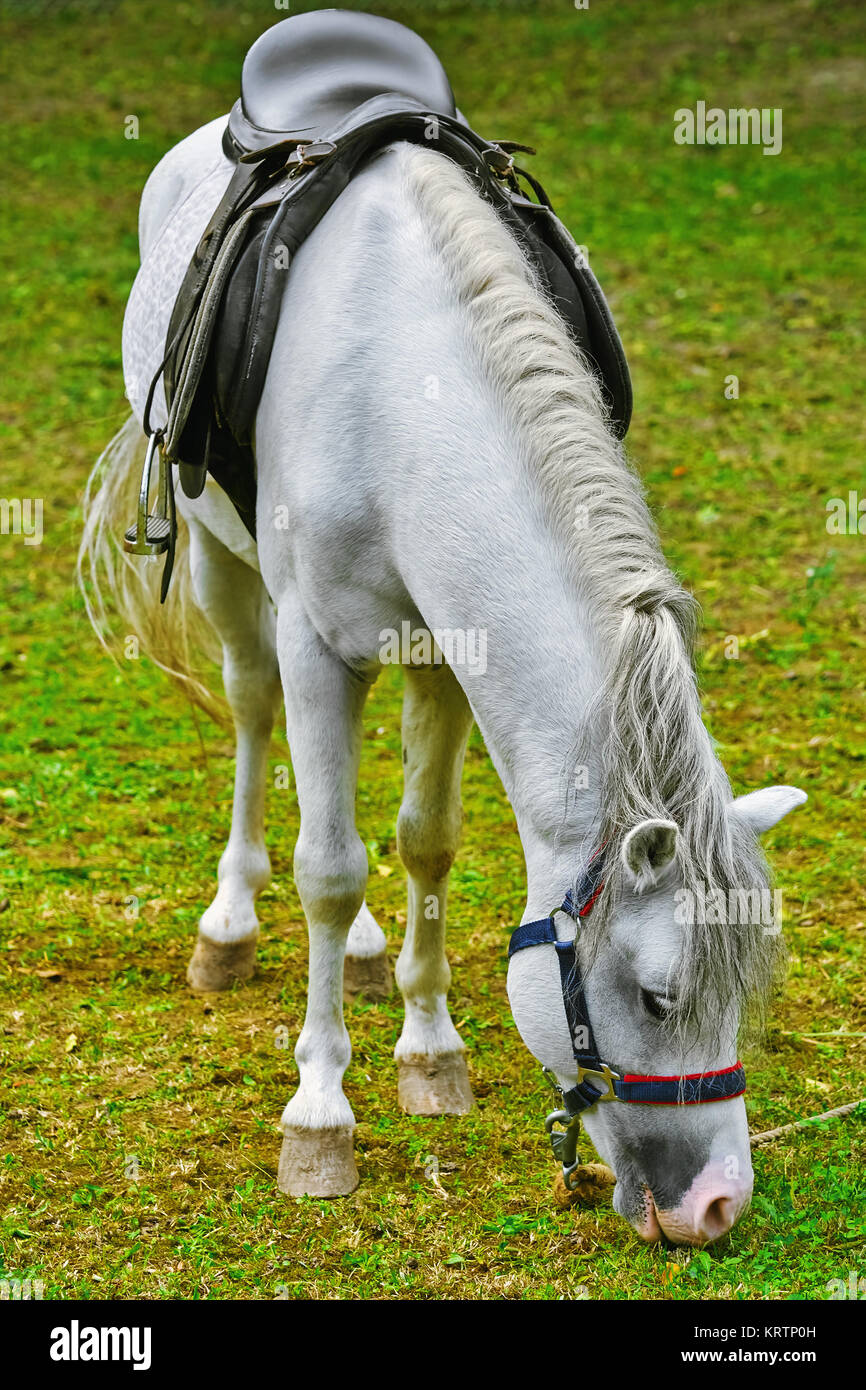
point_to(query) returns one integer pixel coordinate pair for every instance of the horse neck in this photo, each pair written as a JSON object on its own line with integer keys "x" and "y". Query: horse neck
{"x": 501, "y": 573}
{"x": 477, "y": 550}
{"x": 541, "y": 671}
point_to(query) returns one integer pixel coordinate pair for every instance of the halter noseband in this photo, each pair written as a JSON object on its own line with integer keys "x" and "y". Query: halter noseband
{"x": 596, "y": 1081}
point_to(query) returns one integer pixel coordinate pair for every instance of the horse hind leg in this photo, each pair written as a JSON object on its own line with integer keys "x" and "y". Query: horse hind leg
{"x": 366, "y": 970}
{"x": 234, "y": 599}
{"x": 432, "y": 1073}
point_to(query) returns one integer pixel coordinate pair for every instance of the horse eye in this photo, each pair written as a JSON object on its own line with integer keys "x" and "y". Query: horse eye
{"x": 656, "y": 1004}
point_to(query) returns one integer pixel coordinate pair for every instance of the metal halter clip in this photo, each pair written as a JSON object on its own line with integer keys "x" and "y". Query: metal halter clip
{"x": 564, "y": 1142}
{"x": 151, "y": 534}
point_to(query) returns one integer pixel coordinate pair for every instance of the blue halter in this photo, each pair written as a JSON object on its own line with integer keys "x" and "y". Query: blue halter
{"x": 596, "y": 1081}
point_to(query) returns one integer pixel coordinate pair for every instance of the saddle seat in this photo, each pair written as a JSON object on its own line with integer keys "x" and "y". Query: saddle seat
{"x": 303, "y": 78}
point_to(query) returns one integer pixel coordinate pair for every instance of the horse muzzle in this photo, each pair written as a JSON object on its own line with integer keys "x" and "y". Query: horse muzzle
{"x": 710, "y": 1208}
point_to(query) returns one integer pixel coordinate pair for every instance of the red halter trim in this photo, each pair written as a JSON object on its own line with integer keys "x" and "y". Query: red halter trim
{"x": 689, "y": 1076}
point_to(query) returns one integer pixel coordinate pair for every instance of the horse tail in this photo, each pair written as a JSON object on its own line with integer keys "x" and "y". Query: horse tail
{"x": 121, "y": 591}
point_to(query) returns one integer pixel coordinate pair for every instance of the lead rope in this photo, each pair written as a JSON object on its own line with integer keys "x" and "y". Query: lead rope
{"x": 767, "y": 1136}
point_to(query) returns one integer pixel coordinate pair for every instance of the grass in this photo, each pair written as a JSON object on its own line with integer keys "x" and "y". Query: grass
{"x": 139, "y": 1134}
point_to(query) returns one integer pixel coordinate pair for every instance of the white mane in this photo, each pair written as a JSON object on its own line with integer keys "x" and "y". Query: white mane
{"x": 657, "y": 758}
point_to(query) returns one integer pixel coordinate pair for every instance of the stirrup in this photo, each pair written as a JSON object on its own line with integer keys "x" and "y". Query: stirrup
{"x": 151, "y": 534}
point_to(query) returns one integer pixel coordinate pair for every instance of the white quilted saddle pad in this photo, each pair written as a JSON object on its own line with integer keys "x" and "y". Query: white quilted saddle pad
{"x": 176, "y": 206}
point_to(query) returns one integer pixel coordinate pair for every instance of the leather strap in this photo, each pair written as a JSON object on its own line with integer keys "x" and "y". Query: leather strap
{"x": 696, "y": 1088}
{"x": 231, "y": 294}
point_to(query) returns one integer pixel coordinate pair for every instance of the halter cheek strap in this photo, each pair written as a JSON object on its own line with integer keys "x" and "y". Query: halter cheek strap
{"x": 596, "y": 1081}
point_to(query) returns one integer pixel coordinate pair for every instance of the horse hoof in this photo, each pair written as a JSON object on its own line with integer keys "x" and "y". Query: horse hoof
{"x": 217, "y": 965}
{"x": 434, "y": 1085}
{"x": 317, "y": 1162}
{"x": 369, "y": 976}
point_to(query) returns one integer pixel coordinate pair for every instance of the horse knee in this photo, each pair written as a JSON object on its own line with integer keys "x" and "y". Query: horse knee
{"x": 428, "y": 840}
{"x": 331, "y": 879}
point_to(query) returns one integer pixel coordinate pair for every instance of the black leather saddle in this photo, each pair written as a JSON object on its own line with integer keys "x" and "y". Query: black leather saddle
{"x": 320, "y": 93}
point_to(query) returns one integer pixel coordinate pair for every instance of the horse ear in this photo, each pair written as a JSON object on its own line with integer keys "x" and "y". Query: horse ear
{"x": 647, "y": 851}
{"x": 763, "y": 809}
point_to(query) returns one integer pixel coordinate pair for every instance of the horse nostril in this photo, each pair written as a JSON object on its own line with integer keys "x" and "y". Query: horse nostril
{"x": 717, "y": 1218}
{"x": 712, "y": 1206}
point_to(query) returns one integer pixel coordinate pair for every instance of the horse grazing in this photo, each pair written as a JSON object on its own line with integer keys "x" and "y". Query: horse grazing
{"x": 432, "y": 449}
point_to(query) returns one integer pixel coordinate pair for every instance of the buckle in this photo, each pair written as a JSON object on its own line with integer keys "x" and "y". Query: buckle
{"x": 606, "y": 1076}
{"x": 305, "y": 156}
{"x": 499, "y": 157}
{"x": 500, "y": 164}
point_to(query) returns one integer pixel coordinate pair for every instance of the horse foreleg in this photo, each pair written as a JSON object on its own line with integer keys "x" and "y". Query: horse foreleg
{"x": 235, "y": 601}
{"x": 433, "y": 1079}
{"x": 324, "y": 704}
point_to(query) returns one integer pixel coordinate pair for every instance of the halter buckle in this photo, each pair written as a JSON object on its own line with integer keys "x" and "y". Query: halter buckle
{"x": 605, "y": 1076}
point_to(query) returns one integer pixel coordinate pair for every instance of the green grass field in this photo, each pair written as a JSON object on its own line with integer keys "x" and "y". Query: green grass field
{"x": 139, "y": 1124}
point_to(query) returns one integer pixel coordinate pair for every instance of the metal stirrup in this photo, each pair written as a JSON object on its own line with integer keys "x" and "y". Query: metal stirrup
{"x": 151, "y": 534}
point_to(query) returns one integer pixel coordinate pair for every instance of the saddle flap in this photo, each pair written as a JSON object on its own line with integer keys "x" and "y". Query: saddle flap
{"x": 580, "y": 301}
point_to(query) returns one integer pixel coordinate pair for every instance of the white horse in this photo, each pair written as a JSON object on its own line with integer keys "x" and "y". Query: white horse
{"x": 433, "y": 450}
